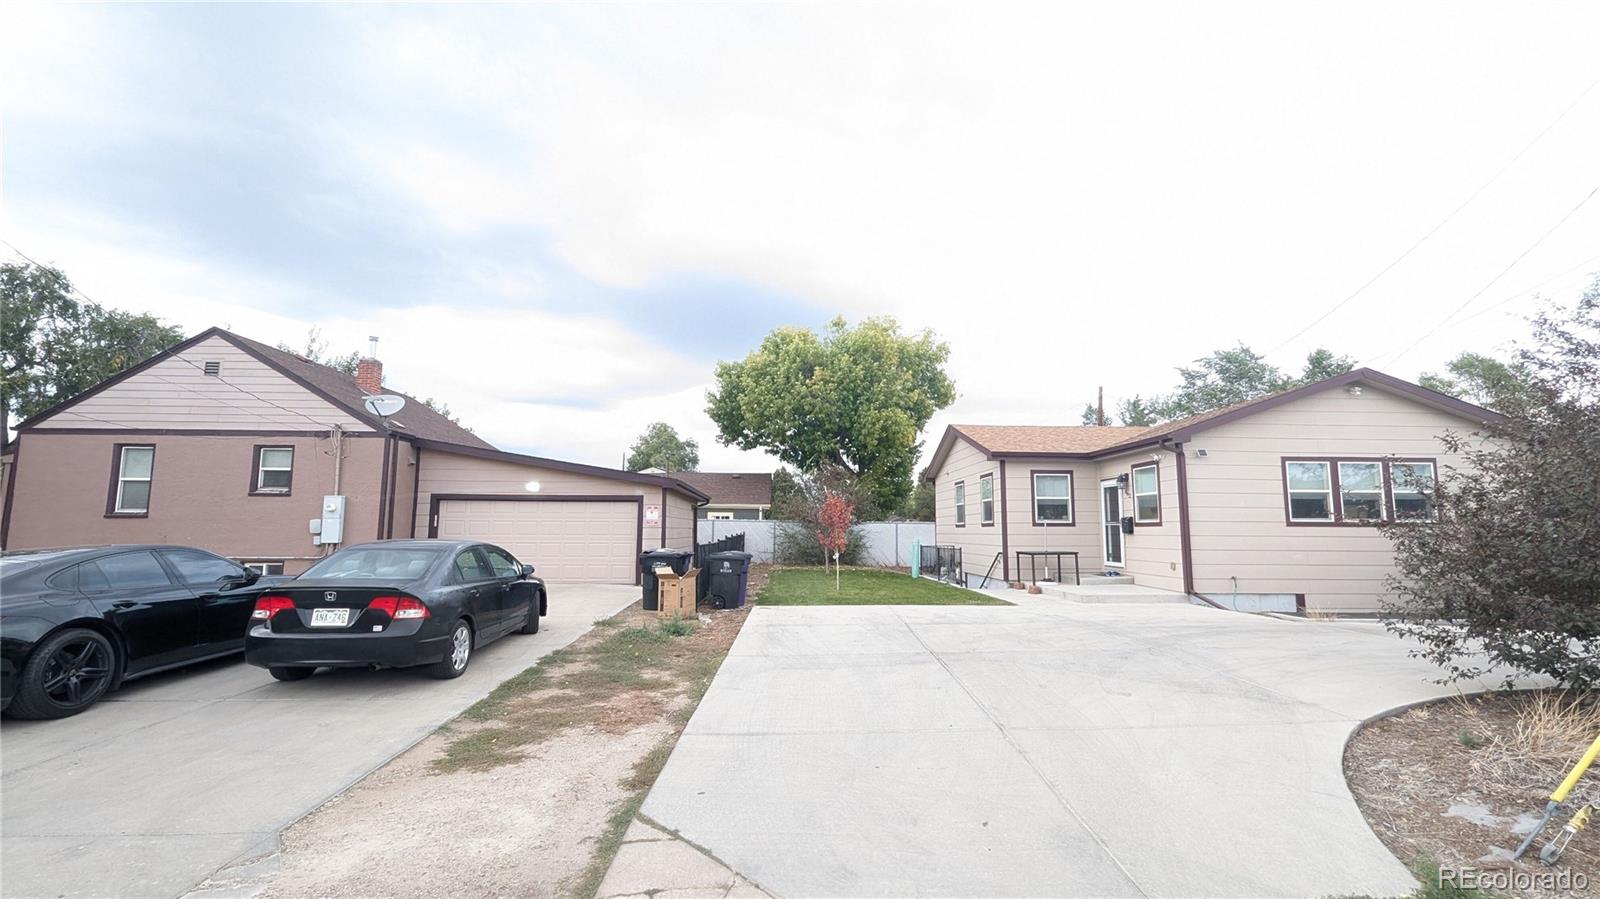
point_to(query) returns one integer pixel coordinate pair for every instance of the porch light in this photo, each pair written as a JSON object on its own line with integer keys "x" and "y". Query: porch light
{"x": 532, "y": 486}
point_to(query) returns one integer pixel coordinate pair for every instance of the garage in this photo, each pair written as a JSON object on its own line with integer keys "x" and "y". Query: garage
{"x": 590, "y": 540}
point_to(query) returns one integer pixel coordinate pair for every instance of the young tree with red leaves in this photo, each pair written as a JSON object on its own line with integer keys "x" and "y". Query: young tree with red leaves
{"x": 834, "y": 520}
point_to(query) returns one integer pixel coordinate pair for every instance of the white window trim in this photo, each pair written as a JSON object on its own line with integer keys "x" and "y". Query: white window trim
{"x": 1433, "y": 478}
{"x": 986, "y": 507}
{"x": 1071, "y": 511}
{"x": 1133, "y": 486}
{"x": 1383, "y": 500}
{"x": 260, "y": 567}
{"x": 262, "y": 468}
{"x": 961, "y": 504}
{"x": 122, "y": 466}
{"x": 1326, "y": 491}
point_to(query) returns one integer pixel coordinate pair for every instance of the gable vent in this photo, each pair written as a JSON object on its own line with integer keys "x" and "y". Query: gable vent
{"x": 214, "y": 369}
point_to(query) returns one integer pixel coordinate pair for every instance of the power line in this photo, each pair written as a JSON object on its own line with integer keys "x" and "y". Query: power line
{"x": 1442, "y": 222}
{"x": 1484, "y": 289}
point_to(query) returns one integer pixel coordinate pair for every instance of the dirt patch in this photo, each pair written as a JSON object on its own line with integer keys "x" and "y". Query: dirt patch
{"x": 529, "y": 791}
{"x": 1460, "y": 783}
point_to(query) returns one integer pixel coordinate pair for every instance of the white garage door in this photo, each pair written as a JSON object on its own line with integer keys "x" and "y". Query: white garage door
{"x": 585, "y": 542}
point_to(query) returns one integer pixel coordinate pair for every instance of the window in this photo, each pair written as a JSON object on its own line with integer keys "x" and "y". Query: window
{"x": 719, "y": 516}
{"x": 201, "y": 568}
{"x": 132, "y": 467}
{"x": 1147, "y": 493}
{"x": 961, "y": 504}
{"x": 1052, "y": 497}
{"x": 986, "y": 499}
{"x": 265, "y": 568}
{"x": 1411, "y": 485}
{"x": 503, "y": 565}
{"x": 127, "y": 571}
{"x": 1361, "y": 491}
{"x": 1310, "y": 491}
{"x": 470, "y": 567}
{"x": 274, "y": 470}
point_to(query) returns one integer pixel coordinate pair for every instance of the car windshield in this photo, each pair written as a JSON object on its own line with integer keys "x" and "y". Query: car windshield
{"x": 374, "y": 562}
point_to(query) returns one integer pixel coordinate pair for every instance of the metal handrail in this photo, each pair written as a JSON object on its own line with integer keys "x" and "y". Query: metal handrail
{"x": 997, "y": 557}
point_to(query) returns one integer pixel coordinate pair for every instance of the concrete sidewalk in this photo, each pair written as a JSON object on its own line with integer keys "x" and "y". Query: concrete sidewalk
{"x": 1051, "y": 748}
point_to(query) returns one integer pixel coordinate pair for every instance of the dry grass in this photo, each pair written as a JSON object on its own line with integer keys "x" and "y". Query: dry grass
{"x": 1551, "y": 730}
{"x": 1320, "y": 615}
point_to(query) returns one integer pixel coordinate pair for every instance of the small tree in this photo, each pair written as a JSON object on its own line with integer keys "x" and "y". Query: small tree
{"x": 835, "y": 518}
{"x": 1509, "y": 573}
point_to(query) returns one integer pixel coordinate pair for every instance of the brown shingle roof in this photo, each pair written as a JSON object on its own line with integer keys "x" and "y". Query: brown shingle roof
{"x": 415, "y": 419}
{"x": 1047, "y": 438}
{"x": 730, "y": 488}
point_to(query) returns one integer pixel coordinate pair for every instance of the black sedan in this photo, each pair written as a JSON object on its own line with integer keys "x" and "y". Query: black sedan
{"x": 76, "y": 623}
{"x": 395, "y": 604}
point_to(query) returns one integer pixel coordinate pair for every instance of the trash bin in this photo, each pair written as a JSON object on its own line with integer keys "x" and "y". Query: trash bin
{"x": 728, "y": 576}
{"x": 678, "y": 560}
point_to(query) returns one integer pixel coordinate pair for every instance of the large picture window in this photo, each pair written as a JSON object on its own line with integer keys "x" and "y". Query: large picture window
{"x": 961, "y": 504}
{"x": 133, "y": 473}
{"x": 1147, "y": 493}
{"x": 986, "y": 499}
{"x": 1358, "y": 491}
{"x": 1052, "y": 497}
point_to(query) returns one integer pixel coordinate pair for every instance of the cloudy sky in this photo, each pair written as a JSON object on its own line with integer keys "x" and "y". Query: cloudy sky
{"x": 557, "y": 218}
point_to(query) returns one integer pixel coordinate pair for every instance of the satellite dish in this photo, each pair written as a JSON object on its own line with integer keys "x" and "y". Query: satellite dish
{"x": 384, "y": 405}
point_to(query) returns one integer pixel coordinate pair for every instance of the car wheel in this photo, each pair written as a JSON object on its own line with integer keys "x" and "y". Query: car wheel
{"x": 457, "y": 654}
{"x": 295, "y": 673}
{"x": 65, "y": 675}
{"x": 531, "y": 626}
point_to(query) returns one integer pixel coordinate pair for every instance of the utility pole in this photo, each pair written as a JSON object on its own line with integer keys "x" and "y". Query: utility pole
{"x": 1100, "y": 407}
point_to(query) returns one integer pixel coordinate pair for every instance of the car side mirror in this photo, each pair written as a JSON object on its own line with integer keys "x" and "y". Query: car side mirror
{"x": 527, "y": 571}
{"x": 236, "y": 581}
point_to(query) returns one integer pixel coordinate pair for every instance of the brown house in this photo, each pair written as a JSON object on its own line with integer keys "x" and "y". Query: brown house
{"x": 734, "y": 495}
{"x": 264, "y": 456}
{"x": 1264, "y": 505}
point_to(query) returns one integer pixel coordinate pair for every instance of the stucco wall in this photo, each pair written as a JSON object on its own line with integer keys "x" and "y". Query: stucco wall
{"x": 1236, "y": 496}
{"x": 200, "y": 494}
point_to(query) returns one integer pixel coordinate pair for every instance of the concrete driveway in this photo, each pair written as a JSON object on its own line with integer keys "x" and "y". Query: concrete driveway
{"x": 1051, "y": 749}
{"x": 154, "y": 788}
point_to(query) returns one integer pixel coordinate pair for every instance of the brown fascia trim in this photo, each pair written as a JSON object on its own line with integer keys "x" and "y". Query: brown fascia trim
{"x": 116, "y": 469}
{"x": 936, "y": 461}
{"x": 416, "y": 486}
{"x": 638, "y": 501}
{"x": 11, "y": 490}
{"x": 196, "y": 432}
{"x": 1005, "y": 543}
{"x": 558, "y": 465}
{"x": 255, "y": 471}
{"x": 1185, "y": 542}
{"x": 1135, "y": 496}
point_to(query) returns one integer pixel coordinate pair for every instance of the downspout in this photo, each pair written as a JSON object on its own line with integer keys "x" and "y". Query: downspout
{"x": 1185, "y": 544}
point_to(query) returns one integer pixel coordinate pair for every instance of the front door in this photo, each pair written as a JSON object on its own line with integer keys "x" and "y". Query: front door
{"x": 1111, "y": 521}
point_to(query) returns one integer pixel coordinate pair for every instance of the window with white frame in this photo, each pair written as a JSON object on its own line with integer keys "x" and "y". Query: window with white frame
{"x": 1411, "y": 486}
{"x": 1310, "y": 491}
{"x": 1052, "y": 497}
{"x": 1147, "y": 494}
{"x": 961, "y": 504}
{"x": 135, "y": 468}
{"x": 986, "y": 499}
{"x": 264, "y": 568}
{"x": 1361, "y": 491}
{"x": 274, "y": 469}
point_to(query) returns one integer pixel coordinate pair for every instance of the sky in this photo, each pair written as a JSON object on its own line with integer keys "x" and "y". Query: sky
{"x": 558, "y": 218}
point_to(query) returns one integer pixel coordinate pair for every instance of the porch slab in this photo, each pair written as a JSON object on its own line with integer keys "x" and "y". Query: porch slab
{"x": 1112, "y": 593}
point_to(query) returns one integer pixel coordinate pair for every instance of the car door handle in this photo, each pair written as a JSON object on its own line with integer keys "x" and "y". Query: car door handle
{"x": 123, "y": 604}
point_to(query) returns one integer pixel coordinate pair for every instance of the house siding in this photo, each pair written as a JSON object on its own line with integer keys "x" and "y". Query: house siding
{"x": 679, "y": 512}
{"x": 176, "y": 394}
{"x": 446, "y": 472}
{"x": 1021, "y": 532}
{"x": 200, "y": 494}
{"x": 978, "y": 544}
{"x": 1154, "y": 553}
{"x": 1241, "y": 542}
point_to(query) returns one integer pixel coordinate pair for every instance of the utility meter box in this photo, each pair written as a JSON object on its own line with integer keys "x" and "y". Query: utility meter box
{"x": 332, "y": 519}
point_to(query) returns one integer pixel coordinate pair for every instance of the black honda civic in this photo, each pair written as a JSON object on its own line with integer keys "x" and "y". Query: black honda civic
{"x": 394, "y": 604}
{"x": 76, "y": 623}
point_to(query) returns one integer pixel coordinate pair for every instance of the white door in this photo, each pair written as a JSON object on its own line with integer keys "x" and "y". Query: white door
{"x": 1111, "y": 521}
{"x": 582, "y": 542}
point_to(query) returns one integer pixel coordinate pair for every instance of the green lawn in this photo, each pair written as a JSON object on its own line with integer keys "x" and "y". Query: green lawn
{"x": 864, "y": 587}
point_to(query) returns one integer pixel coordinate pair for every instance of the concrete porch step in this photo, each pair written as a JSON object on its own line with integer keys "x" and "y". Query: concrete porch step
{"x": 1126, "y": 592}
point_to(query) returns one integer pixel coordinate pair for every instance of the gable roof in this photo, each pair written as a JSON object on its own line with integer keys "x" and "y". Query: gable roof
{"x": 336, "y": 387}
{"x": 730, "y": 488}
{"x": 1092, "y": 441}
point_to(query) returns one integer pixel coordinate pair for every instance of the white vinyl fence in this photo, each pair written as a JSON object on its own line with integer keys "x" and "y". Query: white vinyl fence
{"x": 886, "y": 543}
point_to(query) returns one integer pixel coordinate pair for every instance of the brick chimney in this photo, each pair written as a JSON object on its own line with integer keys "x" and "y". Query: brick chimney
{"x": 369, "y": 371}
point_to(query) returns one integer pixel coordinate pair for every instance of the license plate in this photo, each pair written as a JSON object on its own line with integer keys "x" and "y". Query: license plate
{"x": 330, "y": 617}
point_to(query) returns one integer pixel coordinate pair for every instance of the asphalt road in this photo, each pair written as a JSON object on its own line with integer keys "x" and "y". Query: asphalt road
{"x": 169, "y": 779}
{"x": 1048, "y": 749}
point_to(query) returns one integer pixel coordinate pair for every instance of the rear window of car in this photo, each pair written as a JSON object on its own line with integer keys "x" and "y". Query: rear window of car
{"x": 373, "y": 562}
{"x": 122, "y": 572}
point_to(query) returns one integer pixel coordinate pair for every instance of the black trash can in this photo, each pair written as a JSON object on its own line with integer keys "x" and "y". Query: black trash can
{"x": 678, "y": 560}
{"x": 727, "y": 575}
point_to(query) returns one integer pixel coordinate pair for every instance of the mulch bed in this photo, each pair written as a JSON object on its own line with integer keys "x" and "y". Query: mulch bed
{"x": 1453, "y": 781}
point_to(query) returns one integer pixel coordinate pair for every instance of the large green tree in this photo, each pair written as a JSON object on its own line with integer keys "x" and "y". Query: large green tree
{"x": 54, "y": 343}
{"x": 661, "y": 447}
{"x": 1479, "y": 379}
{"x": 856, "y": 398}
{"x": 1237, "y": 374}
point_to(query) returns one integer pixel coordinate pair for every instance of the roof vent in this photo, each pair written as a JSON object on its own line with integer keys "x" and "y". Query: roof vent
{"x": 214, "y": 369}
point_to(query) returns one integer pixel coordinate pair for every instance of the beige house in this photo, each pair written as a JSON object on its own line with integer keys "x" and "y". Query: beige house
{"x": 238, "y": 447}
{"x": 1264, "y": 505}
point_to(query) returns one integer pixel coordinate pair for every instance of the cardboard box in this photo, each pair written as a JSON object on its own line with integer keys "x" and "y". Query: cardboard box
{"x": 677, "y": 593}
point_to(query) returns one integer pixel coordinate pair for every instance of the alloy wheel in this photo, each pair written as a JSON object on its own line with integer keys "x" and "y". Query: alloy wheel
{"x": 460, "y": 647}
{"x": 77, "y": 669}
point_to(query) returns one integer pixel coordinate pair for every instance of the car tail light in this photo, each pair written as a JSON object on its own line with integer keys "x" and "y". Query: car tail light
{"x": 398, "y": 607}
{"x": 270, "y": 605}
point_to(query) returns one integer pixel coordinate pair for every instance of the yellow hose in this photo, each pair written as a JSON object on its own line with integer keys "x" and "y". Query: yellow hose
{"x": 1560, "y": 795}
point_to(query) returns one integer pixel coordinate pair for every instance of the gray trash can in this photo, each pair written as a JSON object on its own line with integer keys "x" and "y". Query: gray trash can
{"x": 678, "y": 560}
{"x": 728, "y": 577}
